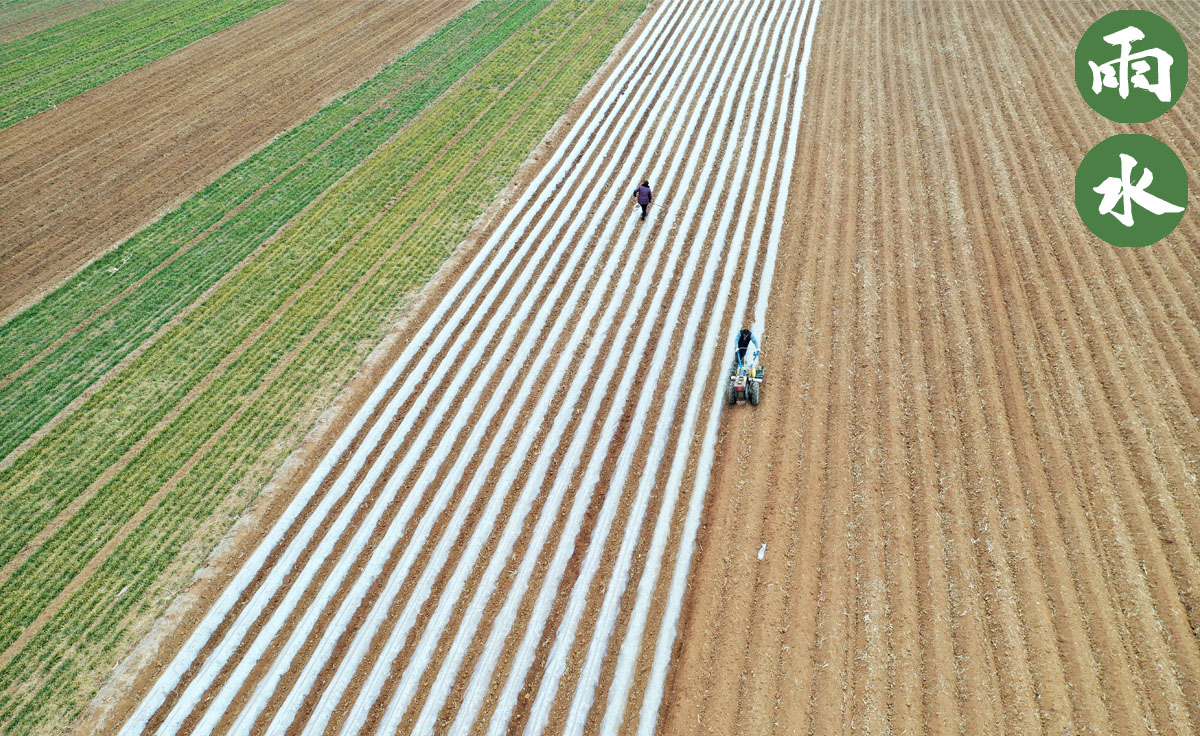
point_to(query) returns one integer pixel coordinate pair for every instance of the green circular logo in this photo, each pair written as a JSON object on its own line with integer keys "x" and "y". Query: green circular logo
{"x": 1131, "y": 190}
{"x": 1131, "y": 66}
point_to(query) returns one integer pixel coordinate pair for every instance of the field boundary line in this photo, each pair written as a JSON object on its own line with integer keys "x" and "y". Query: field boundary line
{"x": 336, "y": 25}
{"x": 6, "y": 111}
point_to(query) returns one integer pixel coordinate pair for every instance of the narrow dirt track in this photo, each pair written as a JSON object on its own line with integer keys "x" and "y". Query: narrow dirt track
{"x": 977, "y": 480}
{"x": 491, "y": 544}
{"x": 79, "y": 178}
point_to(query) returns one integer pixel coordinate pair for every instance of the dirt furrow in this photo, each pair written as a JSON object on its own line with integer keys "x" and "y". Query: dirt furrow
{"x": 1038, "y": 401}
{"x": 997, "y": 633}
{"x": 1171, "y": 464}
{"x": 1077, "y": 553}
{"x": 904, "y": 670}
{"x": 1066, "y": 609}
{"x": 869, "y": 673}
{"x": 704, "y": 702}
{"x": 697, "y": 691}
{"x": 755, "y": 707}
{"x": 1016, "y": 617}
{"x": 814, "y": 242}
{"x": 1152, "y": 556}
{"x": 1158, "y": 399}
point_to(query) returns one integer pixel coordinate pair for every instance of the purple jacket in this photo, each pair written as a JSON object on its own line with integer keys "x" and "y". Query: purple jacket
{"x": 643, "y": 194}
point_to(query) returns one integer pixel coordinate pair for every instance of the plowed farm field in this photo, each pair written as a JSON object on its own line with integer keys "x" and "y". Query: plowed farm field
{"x": 968, "y": 502}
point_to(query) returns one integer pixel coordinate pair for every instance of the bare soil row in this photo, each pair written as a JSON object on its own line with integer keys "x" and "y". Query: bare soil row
{"x": 977, "y": 485}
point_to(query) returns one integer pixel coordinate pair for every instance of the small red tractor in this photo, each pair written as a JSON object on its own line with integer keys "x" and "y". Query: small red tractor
{"x": 745, "y": 379}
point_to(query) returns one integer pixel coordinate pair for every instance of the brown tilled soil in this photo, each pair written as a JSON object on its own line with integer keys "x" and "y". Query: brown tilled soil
{"x": 975, "y": 469}
{"x": 77, "y": 179}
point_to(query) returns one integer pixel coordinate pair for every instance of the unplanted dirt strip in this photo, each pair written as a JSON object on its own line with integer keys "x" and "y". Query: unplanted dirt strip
{"x": 975, "y": 488}
{"x": 528, "y": 430}
{"x": 41, "y": 70}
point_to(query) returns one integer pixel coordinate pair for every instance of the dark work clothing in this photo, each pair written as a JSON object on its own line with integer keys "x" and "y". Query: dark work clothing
{"x": 744, "y": 339}
{"x": 643, "y": 198}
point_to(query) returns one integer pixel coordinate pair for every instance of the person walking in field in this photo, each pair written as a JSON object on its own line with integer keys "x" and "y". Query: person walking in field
{"x": 644, "y": 195}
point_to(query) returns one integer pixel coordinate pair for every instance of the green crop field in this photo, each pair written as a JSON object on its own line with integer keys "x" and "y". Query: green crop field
{"x": 250, "y": 305}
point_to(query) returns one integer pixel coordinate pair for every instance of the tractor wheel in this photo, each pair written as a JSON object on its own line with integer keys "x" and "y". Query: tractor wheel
{"x": 732, "y": 394}
{"x": 752, "y": 392}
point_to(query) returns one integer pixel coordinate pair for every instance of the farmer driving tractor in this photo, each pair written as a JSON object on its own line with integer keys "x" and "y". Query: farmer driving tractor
{"x": 745, "y": 377}
{"x": 744, "y": 339}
